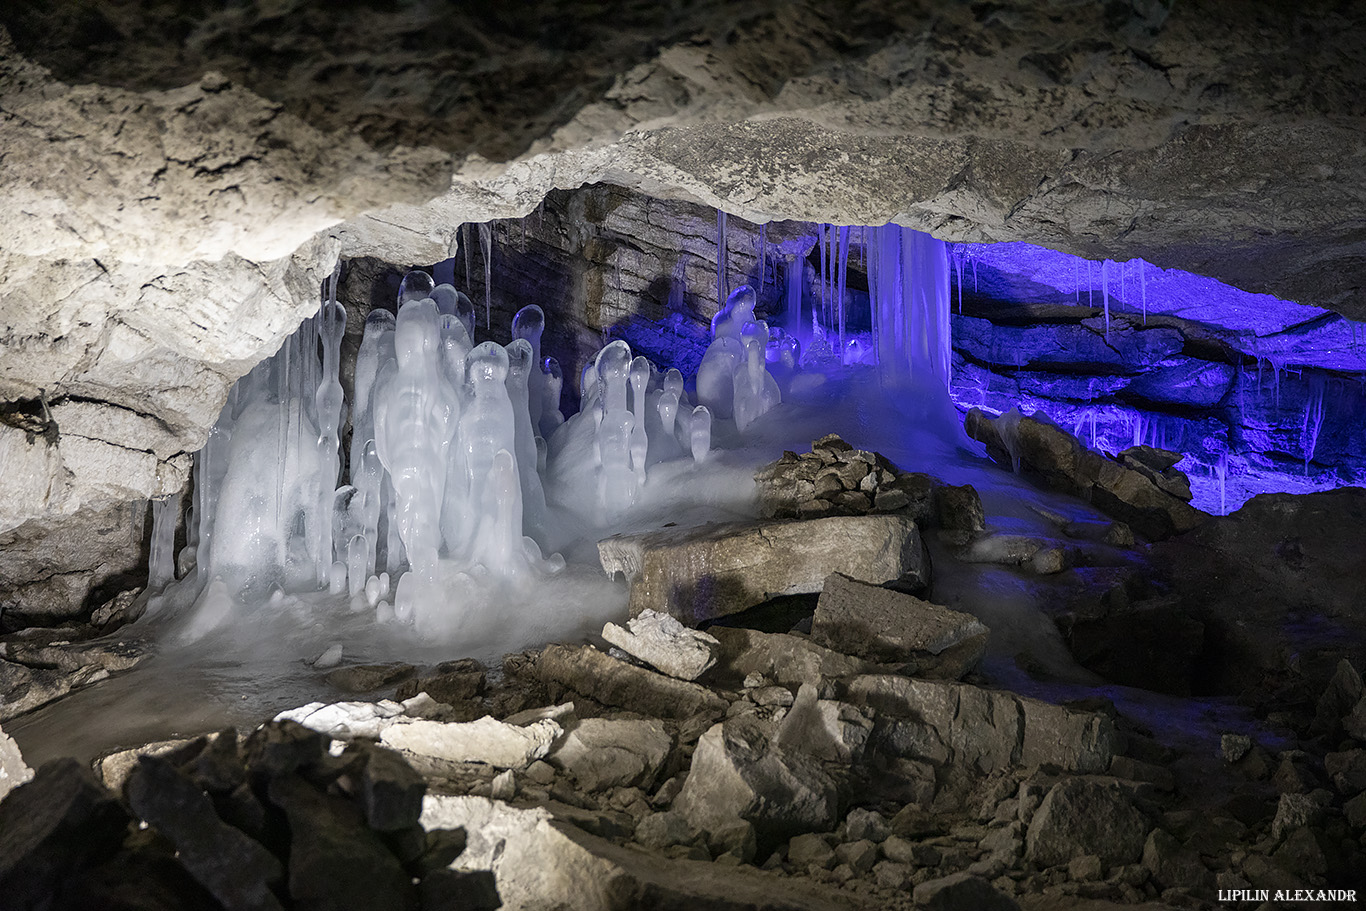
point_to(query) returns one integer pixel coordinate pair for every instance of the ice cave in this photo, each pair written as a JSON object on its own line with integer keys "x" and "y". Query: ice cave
{"x": 608, "y": 456}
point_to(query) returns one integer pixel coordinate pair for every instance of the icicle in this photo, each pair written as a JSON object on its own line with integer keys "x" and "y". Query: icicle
{"x": 958, "y": 267}
{"x": 763, "y": 258}
{"x": 1313, "y": 422}
{"x": 722, "y": 255}
{"x": 843, "y": 274}
{"x": 795, "y": 274}
{"x": 1143, "y": 290}
{"x": 161, "y": 561}
{"x": 486, "y": 243}
{"x": 465, "y": 245}
{"x": 1105, "y": 292}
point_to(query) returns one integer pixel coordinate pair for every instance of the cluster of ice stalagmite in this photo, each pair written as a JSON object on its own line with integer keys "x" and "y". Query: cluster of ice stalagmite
{"x": 733, "y": 380}
{"x": 463, "y": 471}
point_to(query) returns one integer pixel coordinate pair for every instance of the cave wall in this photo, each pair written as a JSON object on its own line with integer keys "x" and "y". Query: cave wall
{"x": 179, "y": 180}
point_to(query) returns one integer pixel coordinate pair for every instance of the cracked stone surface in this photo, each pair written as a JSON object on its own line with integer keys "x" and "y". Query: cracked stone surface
{"x": 179, "y": 182}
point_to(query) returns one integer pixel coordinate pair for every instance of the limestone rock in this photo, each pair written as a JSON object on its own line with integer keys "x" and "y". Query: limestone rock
{"x": 450, "y": 682}
{"x": 1173, "y": 865}
{"x": 13, "y": 770}
{"x": 662, "y": 642}
{"x": 334, "y": 860}
{"x": 1086, "y": 816}
{"x": 1063, "y": 463}
{"x": 738, "y": 769}
{"x": 495, "y": 743}
{"x": 786, "y": 658}
{"x": 366, "y": 678}
{"x": 961, "y": 892}
{"x": 710, "y": 571}
{"x": 538, "y": 861}
{"x": 602, "y": 753}
{"x": 586, "y": 670}
{"x": 60, "y": 821}
{"x": 990, "y": 730}
{"x": 235, "y": 868}
{"x": 887, "y": 626}
{"x": 345, "y": 720}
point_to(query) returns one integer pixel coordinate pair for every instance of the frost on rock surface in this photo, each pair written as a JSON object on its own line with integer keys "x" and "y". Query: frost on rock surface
{"x": 662, "y": 642}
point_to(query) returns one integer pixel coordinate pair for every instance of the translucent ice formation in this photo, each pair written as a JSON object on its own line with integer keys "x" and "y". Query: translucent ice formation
{"x": 463, "y": 471}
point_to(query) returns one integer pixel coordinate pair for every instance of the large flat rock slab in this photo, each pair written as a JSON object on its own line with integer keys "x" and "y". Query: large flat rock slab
{"x": 710, "y": 571}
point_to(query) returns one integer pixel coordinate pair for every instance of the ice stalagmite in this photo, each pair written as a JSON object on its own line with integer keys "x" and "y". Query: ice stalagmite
{"x": 414, "y": 414}
{"x": 328, "y": 404}
{"x": 756, "y": 392}
{"x": 522, "y": 364}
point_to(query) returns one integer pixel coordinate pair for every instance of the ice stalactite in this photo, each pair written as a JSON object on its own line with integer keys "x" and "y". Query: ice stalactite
{"x": 796, "y": 276}
{"x": 909, "y": 279}
{"x": 722, "y": 258}
{"x": 1105, "y": 292}
{"x": 486, "y": 245}
{"x": 161, "y": 567}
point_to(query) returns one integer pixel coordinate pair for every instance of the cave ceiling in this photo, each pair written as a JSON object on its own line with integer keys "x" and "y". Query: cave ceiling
{"x": 179, "y": 177}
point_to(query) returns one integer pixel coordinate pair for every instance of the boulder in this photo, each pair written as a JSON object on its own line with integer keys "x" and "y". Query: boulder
{"x": 883, "y": 625}
{"x": 366, "y": 678}
{"x": 710, "y": 571}
{"x": 1173, "y": 865}
{"x": 1086, "y": 816}
{"x": 538, "y": 861}
{"x": 13, "y": 770}
{"x": 487, "y": 740}
{"x": 602, "y": 753}
{"x": 824, "y": 728}
{"x": 991, "y": 730}
{"x": 739, "y": 769}
{"x": 451, "y": 682}
{"x": 345, "y": 720}
{"x": 787, "y": 658}
{"x": 335, "y": 861}
{"x": 57, "y": 823}
{"x": 961, "y": 892}
{"x": 665, "y": 644}
{"x": 235, "y": 868}
{"x": 1347, "y": 771}
{"x": 584, "y": 669}
{"x": 1057, "y": 458}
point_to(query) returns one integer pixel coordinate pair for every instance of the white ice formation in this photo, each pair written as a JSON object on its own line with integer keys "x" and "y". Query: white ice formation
{"x": 462, "y": 470}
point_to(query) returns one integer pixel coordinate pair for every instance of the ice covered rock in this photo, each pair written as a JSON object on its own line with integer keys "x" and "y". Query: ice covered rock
{"x": 495, "y": 743}
{"x": 662, "y": 642}
{"x": 601, "y": 753}
{"x": 345, "y": 720}
{"x": 699, "y": 573}
{"x": 888, "y": 626}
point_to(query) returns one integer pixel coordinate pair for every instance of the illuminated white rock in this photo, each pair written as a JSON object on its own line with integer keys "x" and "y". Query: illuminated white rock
{"x": 487, "y": 740}
{"x": 662, "y": 642}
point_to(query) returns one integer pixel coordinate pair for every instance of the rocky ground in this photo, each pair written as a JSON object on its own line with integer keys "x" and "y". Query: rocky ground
{"x": 843, "y": 747}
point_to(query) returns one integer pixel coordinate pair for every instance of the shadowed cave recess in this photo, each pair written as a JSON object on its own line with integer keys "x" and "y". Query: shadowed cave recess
{"x": 741, "y": 460}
